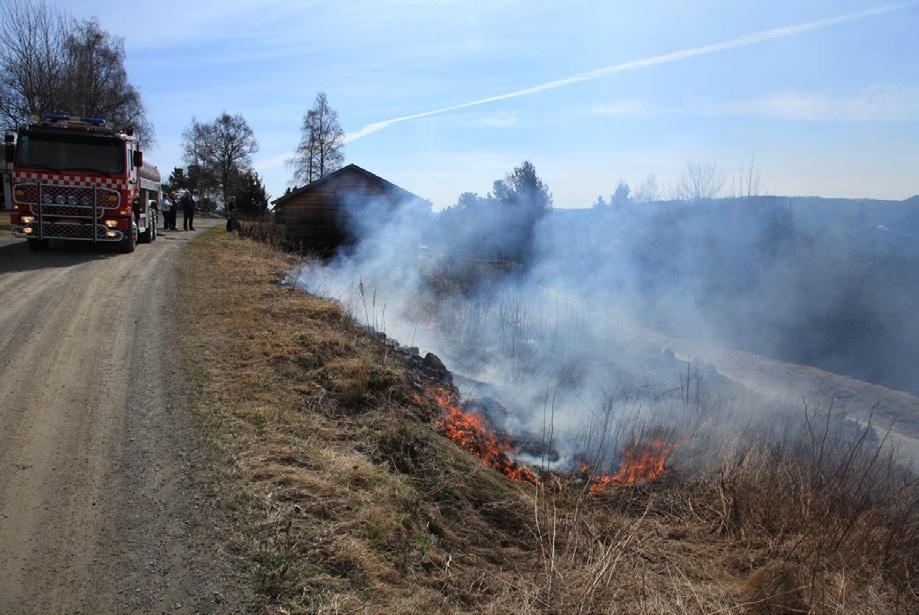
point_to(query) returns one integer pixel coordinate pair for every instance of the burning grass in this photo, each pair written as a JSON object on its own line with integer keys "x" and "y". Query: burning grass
{"x": 641, "y": 461}
{"x": 344, "y": 496}
{"x": 473, "y": 434}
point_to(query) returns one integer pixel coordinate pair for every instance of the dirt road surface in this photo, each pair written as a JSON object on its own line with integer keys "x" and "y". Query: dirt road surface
{"x": 100, "y": 511}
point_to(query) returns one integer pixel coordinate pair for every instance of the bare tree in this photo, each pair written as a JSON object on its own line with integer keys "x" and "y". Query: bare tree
{"x": 306, "y": 160}
{"x": 647, "y": 192}
{"x": 32, "y": 39}
{"x": 96, "y": 80}
{"x": 221, "y": 151}
{"x": 321, "y": 148}
{"x": 50, "y": 63}
{"x": 747, "y": 182}
{"x": 700, "y": 181}
{"x": 196, "y": 144}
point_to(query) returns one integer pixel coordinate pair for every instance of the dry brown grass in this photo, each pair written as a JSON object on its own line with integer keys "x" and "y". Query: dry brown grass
{"x": 261, "y": 230}
{"x": 341, "y": 497}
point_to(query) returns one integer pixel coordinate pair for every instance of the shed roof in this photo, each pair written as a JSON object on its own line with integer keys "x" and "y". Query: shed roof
{"x": 402, "y": 193}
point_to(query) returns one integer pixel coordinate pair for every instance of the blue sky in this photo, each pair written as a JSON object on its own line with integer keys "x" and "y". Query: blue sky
{"x": 831, "y": 111}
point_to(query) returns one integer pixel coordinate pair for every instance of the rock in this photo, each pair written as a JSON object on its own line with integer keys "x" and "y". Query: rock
{"x": 436, "y": 368}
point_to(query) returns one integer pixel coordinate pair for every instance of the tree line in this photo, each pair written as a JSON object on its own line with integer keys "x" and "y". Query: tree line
{"x": 698, "y": 182}
{"x": 218, "y": 158}
{"x": 53, "y": 63}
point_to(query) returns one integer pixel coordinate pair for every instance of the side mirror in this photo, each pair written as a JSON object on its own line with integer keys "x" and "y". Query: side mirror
{"x": 138, "y": 158}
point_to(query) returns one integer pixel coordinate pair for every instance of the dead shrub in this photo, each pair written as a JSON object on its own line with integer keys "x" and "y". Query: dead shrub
{"x": 828, "y": 494}
{"x": 359, "y": 381}
{"x": 262, "y": 230}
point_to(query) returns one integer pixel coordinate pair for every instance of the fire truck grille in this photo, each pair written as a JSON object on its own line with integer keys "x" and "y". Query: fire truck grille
{"x": 70, "y": 196}
{"x": 67, "y": 210}
{"x": 61, "y": 230}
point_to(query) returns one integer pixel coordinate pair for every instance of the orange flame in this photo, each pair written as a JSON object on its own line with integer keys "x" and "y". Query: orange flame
{"x": 472, "y": 434}
{"x": 641, "y": 461}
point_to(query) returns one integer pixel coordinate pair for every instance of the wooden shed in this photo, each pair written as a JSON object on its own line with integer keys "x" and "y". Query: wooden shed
{"x": 322, "y": 215}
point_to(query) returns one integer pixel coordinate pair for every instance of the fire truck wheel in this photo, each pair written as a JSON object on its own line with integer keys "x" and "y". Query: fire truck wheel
{"x": 130, "y": 240}
{"x": 37, "y": 245}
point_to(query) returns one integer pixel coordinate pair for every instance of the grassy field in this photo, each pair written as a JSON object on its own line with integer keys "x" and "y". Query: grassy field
{"x": 340, "y": 495}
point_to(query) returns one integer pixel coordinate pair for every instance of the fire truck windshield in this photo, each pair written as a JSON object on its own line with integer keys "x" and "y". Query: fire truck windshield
{"x": 62, "y": 152}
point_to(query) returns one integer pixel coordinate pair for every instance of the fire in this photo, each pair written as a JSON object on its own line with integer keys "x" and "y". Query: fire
{"x": 472, "y": 434}
{"x": 641, "y": 461}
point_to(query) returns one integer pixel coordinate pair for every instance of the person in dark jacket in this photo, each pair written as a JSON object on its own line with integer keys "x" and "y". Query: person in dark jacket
{"x": 188, "y": 211}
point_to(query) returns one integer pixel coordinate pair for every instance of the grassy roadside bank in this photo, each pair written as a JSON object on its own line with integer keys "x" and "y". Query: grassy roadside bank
{"x": 306, "y": 414}
{"x": 341, "y": 497}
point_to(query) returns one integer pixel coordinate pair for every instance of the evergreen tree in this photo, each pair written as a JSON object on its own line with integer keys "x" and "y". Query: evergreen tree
{"x": 251, "y": 197}
{"x": 621, "y": 197}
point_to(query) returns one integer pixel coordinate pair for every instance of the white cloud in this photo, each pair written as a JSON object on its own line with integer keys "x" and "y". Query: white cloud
{"x": 874, "y": 104}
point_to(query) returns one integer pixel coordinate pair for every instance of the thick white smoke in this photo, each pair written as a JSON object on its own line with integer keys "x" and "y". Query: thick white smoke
{"x": 566, "y": 343}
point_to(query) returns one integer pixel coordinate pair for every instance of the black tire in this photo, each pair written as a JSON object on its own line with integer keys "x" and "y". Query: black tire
{"x": 37, "y": 245}
{"x": 146, "y": 236}
{"x": 129, "y": 242}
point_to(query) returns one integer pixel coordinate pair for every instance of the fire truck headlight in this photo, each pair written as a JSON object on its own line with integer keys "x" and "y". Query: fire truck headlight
{"x": 26, "y": 219}
{"x": 111, "y": 223}
{"x": 111, "y": 198}
{"x": 110, "y": 233}
{"x": 19, "y": 194}
{"x": 27, "y": 230}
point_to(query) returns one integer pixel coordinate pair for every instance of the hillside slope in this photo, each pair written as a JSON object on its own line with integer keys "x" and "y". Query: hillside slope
{"x": 343, "y": 496}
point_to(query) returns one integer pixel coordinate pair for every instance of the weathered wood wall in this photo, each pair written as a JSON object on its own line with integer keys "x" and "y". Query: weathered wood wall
{"x": 315, "y": 218}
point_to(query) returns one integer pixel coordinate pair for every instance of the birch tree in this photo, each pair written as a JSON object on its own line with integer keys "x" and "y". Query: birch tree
{"x": 321, "y": 148}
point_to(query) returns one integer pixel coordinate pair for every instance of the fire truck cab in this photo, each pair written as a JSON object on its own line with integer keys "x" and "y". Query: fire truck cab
{"x": 75, "y": 179}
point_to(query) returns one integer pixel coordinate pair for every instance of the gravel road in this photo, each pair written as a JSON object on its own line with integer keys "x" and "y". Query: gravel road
{"x": 100, "y": 507}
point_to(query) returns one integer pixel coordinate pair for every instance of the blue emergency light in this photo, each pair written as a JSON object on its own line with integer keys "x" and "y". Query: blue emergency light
{"x": 63, "y": 117}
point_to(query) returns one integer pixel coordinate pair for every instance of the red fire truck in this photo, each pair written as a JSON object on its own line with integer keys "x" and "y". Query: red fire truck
{"x": 77, "y": 180}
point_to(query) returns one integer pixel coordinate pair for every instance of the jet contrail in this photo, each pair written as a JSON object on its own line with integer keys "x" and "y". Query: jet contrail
{"x": 674, "y": 56}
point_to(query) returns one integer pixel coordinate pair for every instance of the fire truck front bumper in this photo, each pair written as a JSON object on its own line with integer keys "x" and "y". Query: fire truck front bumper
{"x": 68, "y": 230}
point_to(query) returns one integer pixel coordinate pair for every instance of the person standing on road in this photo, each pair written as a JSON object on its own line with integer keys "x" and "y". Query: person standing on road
{"x": 175, "y": 210}
{"x": 188, "y": 211}
{"x": 166, "y": 208}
